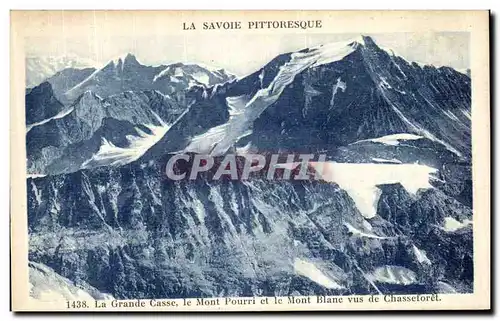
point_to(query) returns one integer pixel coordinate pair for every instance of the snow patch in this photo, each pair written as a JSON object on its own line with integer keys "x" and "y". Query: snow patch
{"x": 466, "y": 113}
{"x": 452, "y": 225}
{"x": 367, "y": 225}
{"x": 445, "y": 144}
{"x": 360, "y": 180}
{"x": 261, "y": 78}
{"x": 383, "y": 160}
{"x": 384, "y": 84}
{"x": 393, "y": 274}
{"x": 178, "y": 72}
{"x": 196, "y": 205}
{"x": 161, "y": 74}
{"x": 37, "y": 192}
{"x": 201, "y": 77}
{"x": 58, "y": 116}
{"x": 338, "y": 85}
{"x": 398, "y": 67}
{"x": 45, "y": 285}
{"x": 450, "y": 115}
{"x": 421, "y": 255}
{"x": 310, "y": 271}
{"x": 425, "y": 132}
{"x": 359, "y": 233}
{"x": 336, "y": 51}
{"x": 218, "y": 139}
{"x": 392, "y": 140}
{"x": 35, "y": 175}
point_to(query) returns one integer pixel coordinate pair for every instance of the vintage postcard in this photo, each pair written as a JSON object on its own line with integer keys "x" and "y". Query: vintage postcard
{"x": 250, "y": 161}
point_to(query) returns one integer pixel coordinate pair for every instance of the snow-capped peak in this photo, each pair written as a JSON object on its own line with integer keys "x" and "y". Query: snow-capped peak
{"x": 360, "y": 40}
{"x": 218, "y": 139}
{"x": 334, "y": 51}
{"x": 122, "y": 59}
{"x": 196, "y": 72}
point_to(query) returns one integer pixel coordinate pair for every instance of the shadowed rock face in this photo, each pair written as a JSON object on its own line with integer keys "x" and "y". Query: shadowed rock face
{"x": 64, "y": 144}
{"x": 208, "y": 238}
{"x": 127, "y": 230}
{"x": 41, "y": 104}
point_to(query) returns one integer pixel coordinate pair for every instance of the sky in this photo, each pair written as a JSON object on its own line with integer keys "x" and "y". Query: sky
{"x": 242, "y": 54}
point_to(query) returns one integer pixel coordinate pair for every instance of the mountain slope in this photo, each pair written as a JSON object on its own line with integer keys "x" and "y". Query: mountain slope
{"x": 64, "y": 144}
{"x": 326, "y": 97}
{"x": 66, "y": 79}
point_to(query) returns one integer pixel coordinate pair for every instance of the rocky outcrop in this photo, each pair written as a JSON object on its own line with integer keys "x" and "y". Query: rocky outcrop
{"x": 64, "y": 144}
{"x": 41, "y": 104}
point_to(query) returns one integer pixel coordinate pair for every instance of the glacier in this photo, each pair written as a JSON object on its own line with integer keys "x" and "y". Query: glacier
{"x": 226, "y": 135}
{"x": 109, "y": 154}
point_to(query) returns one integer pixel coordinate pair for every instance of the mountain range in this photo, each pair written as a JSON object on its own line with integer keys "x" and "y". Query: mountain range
{"x": 393, "y": 216}
{"x": 126, "y": 73}
{"x": 38, "y": 68}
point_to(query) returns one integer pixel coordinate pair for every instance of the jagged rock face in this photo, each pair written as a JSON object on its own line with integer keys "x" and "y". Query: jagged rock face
{"x": 108, "y": 217}
{"x": 41, "y": 104}
{"x": 66, "y": 79}
{"x": 132, "y": 233}
{"x": 69, "y": 79}
{"x": 116, "y": 77}
{"x": 64, "y": 144}
{"x": 367, "y": 94}
{"x": 127, "y": 73}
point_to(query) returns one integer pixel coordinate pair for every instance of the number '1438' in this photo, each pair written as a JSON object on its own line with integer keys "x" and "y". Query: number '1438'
{"x": 76, "y": 304}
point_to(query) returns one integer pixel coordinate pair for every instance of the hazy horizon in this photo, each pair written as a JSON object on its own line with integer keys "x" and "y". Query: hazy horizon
{"x": 246, "y": 53}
